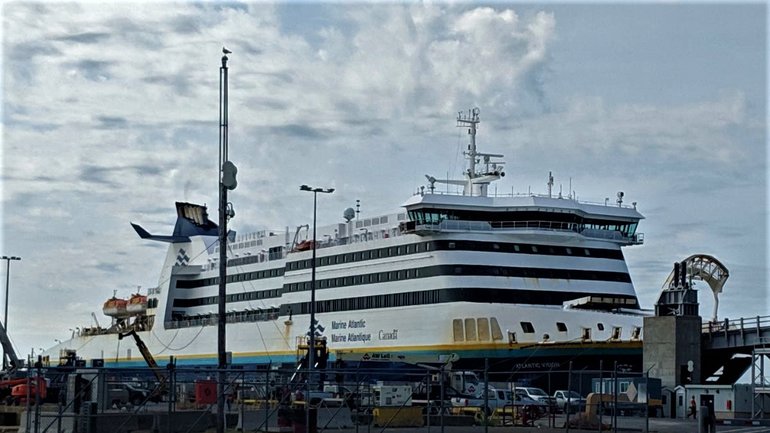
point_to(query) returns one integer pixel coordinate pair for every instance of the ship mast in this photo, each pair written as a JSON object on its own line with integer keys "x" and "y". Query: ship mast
{"x": 477, "y": 182}
{"x": 470, "y": 119}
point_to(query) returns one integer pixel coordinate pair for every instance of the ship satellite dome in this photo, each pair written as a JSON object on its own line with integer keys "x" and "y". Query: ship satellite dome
{"x": 349, "y": 214}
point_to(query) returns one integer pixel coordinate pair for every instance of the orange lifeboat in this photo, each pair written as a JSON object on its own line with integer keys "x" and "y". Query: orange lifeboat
{"x": 304, "y": 246}
{"x": 115, "y": 307}
{"x": 137, "y": 304}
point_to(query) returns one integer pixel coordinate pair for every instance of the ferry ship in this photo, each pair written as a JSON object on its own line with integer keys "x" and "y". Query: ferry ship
{"x": 527, "y": 281}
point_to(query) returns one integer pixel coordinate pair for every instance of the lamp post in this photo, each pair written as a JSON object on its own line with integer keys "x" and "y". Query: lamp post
{"x": 227, "y": 181}
{"x": 311, "y": 341}
{"x": 7, "y": 282}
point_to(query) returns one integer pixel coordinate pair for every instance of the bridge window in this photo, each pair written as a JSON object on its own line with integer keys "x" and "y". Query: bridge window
{"x": 561, "y": 326}
{"x": 527, "y": 327}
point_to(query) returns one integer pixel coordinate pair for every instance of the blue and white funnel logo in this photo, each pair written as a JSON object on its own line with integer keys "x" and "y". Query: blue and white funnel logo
{"x": 181, "y": 258}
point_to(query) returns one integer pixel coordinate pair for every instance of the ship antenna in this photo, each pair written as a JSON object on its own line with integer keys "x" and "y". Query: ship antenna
{"x": 550, "y": 183}
{"x": 471, "y": 120}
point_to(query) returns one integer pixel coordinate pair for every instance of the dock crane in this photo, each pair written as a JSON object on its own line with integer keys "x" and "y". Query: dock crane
{"x": 148, "y": 358}
{"x": 10, "y": 353}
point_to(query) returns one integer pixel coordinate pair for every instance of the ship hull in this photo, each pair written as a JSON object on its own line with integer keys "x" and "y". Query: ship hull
{"x": 411, "y": 335}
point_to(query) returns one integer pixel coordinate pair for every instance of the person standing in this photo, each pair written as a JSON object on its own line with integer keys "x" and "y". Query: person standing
{"x": 693, "y": 408}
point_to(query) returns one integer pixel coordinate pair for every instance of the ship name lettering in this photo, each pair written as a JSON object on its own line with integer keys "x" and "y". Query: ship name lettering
{"x": 339, "y": 325}
{"x": 362, "y": 337}
{"x": 357, "y": 323}
{"x": 389, "y": 335}
{"x": 339, "y": 338}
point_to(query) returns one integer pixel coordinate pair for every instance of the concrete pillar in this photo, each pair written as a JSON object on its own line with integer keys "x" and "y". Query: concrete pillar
{"x": 670, "y": 343}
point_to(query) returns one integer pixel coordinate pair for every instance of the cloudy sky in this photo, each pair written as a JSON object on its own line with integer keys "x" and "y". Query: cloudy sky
{"x": 109, "y": 115}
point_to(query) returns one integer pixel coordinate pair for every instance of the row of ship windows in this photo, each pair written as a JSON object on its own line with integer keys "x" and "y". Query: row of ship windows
{"x": 480, "y": 329}
{"x": 235, "y": 297}
{"x": 362, "y": 255}
{"x": 399, "y": 251}
{"x": 182, "y": 320}
{"x": 585, "y": 334}
{"x": 378, "y": 220}
{"x": 420, "y": 247}
{"x": 412, "y": 273}
{"x": 233, "y": 278}
{"x": 369, "y": 302}
{"x": 569, "y": 221}
{"x": 463, "y": 330}
{"x": 468, "y": 294}
{"x": 474, "y": 270}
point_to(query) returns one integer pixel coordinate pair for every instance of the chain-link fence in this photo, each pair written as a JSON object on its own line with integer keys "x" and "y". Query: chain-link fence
{"x": 363, "y": 399}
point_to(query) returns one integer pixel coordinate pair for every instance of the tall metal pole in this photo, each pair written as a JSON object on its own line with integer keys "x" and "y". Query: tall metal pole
{"x": 615, "y": 398}
{"x": 221, "y": 311}
{"x": 7, "y": 285}
{"x": 601, "y": 395}
{"x": 311, "y": 335}
{"x": 311, "y": 330}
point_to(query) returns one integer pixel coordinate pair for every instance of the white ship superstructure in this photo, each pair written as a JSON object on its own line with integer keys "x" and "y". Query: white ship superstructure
{"x": 531, "y": 279}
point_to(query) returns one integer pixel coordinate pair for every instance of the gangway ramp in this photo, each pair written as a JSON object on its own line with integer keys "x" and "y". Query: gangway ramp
{"x": 729, "y": 345}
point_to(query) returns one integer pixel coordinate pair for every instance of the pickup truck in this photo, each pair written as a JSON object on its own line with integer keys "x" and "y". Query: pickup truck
{"x": 576, "y": 402}
{"x": 123, "y": 393}
{"x": 497, "y": 399}
{"x": 536, "y": 394}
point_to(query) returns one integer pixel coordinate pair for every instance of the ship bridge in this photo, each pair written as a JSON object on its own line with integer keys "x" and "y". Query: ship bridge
{"x": 430, "y": 213}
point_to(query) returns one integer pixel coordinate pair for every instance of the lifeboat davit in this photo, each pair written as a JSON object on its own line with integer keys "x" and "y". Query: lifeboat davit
{"x": 115, "y": 307}
{"x": 304, "y": 246}
{"x": 137, "y": 304}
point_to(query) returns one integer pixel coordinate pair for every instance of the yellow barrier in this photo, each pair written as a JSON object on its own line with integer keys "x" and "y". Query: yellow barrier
{"x": 410, "y": 416}
{"x": 260, "y": 403}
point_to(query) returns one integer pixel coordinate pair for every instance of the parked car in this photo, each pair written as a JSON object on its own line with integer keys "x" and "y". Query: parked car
{"x": 536, "y": 394}
{"x": 500, "y": 398}
{"x": 563, "y": 398}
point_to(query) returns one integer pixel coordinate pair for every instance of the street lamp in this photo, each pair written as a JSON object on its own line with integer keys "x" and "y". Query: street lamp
{"x": 7, "y": 282}
{"x": 311, "y": 342}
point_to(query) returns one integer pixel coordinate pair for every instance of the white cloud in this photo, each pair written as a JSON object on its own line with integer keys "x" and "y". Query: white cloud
{"x": 110, "y": 115}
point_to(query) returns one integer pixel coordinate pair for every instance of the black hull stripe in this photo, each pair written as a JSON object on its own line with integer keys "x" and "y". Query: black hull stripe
{"x": 441, "y": 296}
{"x": 430, "y": 271}
{"x": 436, "y": 296}
{"x": 437, "y": 245}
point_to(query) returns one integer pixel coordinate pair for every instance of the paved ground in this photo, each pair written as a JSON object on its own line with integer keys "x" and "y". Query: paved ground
{"x": 625, "y": 425}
